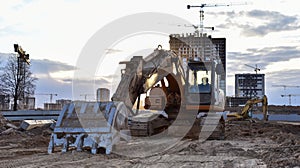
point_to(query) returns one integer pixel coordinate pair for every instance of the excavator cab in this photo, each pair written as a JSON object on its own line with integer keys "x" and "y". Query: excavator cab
{"x": 202, "y": 88}
{"x": 199, "y": 77}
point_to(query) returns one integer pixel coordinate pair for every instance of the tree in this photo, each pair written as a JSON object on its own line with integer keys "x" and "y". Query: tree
{"x": 17, "y": 80}
{"x": 1, "y": 89}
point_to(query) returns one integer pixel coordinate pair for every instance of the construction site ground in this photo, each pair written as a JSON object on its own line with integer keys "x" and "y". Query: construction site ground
{"x": 260, "y": 144}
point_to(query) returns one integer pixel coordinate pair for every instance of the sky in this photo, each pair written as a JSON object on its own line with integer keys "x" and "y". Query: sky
{"x": 55, "y": 33}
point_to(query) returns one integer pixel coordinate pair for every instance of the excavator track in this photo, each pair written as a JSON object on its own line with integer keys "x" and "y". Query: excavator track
{"x": 201, "y": 127}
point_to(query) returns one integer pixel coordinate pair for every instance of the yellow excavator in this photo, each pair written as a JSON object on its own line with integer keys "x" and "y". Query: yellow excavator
{"x": 175, "y": 102}
{"x": 244, "y": 114}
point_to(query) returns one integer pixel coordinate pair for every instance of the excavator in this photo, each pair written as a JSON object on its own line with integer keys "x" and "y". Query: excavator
{"x": 175, "y": 102}
{"x": 245, "y": 112}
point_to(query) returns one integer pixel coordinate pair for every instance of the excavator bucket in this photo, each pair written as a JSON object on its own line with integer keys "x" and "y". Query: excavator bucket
{"x": 89, "y": 125}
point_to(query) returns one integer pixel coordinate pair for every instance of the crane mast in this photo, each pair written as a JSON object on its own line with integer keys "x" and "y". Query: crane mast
{"x": 290, "y": 97}
{"x": 284, "y": 88}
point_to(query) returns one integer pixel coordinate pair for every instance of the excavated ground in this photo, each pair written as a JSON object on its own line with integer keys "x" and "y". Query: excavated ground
{"x": 260, "y": 144}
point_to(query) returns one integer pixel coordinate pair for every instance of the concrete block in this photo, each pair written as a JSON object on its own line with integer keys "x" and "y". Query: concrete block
{"x": 30, "y": 124}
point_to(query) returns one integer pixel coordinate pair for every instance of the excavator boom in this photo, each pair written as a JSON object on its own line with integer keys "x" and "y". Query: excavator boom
{"x": 142, "y": 74}
{"x": 244, "y": 114}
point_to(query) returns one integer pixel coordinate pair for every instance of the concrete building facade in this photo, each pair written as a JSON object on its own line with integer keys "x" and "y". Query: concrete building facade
{"x": 63, "y": 102}
{"x": 200, "y": 46}
{"x": 29, "y": 103}
{"x": 4, "y": 102}
{"x": 249, "y": 85}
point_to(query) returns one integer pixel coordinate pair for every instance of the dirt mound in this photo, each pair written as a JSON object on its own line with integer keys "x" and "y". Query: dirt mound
{"x": 280, "y": 146}
{"x": 276, "y": 144}
{"x": 12, "y": 135}
{"x": 246, "y": 145}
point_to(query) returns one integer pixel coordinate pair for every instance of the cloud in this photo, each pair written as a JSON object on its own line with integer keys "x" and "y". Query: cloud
{"x": 65, "y": 86}
{"x": 21, "y": 4}
{"x": 10, "y": 30}
{"x": 61, "y": 72}
{"x": 262, "y": 57}
{"x": 102, "y": 81}
{"x": 5, "y": 56}
{"x": 50, "y": 85}
{"x": 276, "y": 54}
{"x": 42, "y": 67}
{"x": 48, "y": 66}
{"x": 292, "y": 76}
{"x": 112, "y": 51}
{"x": 259, "y": 22}
{"x": 276, "y": 22}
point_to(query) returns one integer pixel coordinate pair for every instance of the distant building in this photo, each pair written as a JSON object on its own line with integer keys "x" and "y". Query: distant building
{"x": 63, "y": 102}
{"x": 56, "y": 106}
{"x": 52, "y": 106}
{"x": 4, "y": 102}
{"x": 249, "y": 85}
{"x": 200, "y": 46}
{"x": 221, "y": 49}
{"x": 235, "y": 101}
{"x": 103, "y": 94}
{"x": 29, "y": 103}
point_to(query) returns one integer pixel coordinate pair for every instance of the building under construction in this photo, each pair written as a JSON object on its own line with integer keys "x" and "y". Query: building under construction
{"x": 247, "y": 86}
{"x": 200, "y": 46}
{"x": 4, "y": 102}
{"x": 56, "y": 106}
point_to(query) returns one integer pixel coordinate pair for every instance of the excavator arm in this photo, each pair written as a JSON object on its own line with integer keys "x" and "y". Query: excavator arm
{"x": 248, "y": 106}
{"x": 140, "y": 74}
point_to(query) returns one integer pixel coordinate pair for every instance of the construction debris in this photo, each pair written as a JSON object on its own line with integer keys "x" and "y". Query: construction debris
{"x": 11, "y": 126}
{"x": 5, "y": 126}
{"x": 30, "y": 124}
{"x": 8, "y": 131}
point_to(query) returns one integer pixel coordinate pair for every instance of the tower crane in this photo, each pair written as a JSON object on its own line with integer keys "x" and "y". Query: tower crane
{"x": 201, "y": 26}
{"x": 290, "y": 97}
{"x": 196, "y": 27}
{"x": 50, "y": 94}
{"x": 255, "y": 68}
{"x": 285, "y": 86}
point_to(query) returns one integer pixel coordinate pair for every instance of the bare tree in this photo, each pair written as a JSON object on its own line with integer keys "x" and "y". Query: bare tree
{"x": 17, "y": 80}
{"x": 1, "y": 89}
